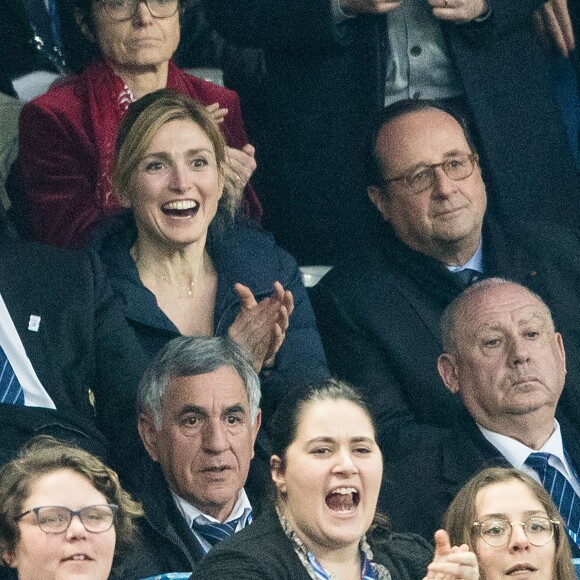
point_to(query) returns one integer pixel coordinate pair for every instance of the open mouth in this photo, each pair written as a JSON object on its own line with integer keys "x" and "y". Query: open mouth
{"x": 183, "y": 209}
{"x": 520, "y": 569}
{"x": 343, "y": 499}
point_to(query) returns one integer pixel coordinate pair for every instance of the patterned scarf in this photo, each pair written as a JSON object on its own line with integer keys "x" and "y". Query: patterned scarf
{"x": 369, "y": 569}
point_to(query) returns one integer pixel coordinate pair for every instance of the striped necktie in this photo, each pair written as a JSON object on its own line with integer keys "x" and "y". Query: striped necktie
{"x": 10, "y": 389}
{"x": 214, "y": 533}
{"x": 560, "y": 490}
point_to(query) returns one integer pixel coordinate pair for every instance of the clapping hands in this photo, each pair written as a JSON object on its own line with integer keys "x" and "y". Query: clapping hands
{"x": 240, "y": 163}
{"x": 260, "y": 327}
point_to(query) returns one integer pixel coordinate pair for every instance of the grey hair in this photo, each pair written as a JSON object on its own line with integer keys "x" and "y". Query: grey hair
{"x": 187, "y": 356}
{"x": 452, "y": 314}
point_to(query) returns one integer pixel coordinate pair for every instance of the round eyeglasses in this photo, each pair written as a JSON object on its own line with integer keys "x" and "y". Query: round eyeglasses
{"x": 125, "y": 9}
{"x": 422, "y": 178}
{"x": 497, "y": 531}
{"x": 55, "y": 519}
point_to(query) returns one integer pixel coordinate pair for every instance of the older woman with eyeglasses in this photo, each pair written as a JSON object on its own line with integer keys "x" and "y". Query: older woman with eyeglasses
{"x": 511, "y": 523}
{"x": 63, "y": 514}
{"x": 67, "y": 136}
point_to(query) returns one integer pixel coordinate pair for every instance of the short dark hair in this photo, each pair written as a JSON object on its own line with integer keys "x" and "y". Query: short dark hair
{"x": 373, "y": 168}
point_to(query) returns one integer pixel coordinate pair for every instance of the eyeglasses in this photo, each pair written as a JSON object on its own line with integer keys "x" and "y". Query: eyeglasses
{"x": 422, "y": 178}
{"x": 497, "y": 531}
{"x": 125, "y": 9}
{"x": 55, "y": 519}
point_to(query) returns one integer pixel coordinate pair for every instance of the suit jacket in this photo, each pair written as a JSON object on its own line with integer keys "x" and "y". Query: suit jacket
{"x": 418, "y": 489}
{"x": 324, "y": 81}
{"x": 262, "y": 551}
{"x": 379, "y": 315}
{"x": 82, "y": 348}
{"x": 165, "y": 542}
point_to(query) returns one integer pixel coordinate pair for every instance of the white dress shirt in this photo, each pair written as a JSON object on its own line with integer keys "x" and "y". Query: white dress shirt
{"x": 35, "y": 394}
{"x": 516, "y": 454}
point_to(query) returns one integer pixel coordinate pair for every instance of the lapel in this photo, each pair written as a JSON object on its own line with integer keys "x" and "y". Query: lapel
{"x": 422, "y": 281}
{"x": 22, "y": 294}
{"x": 571, "y": 441}
{"x": 466, "y": 451}
{"x": 163, "y": 515}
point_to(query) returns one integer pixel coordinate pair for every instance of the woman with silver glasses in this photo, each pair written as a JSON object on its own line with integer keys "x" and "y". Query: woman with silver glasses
{"x": 63, "y": 514}
{"x": 511, "y": 523}
{"x": 67, "y": 136}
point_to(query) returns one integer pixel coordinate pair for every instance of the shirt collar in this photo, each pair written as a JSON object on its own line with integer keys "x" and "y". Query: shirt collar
{"x": 474, "y": 263}
{"x": 516, "y": 453}
{"x": 242, "y": 508}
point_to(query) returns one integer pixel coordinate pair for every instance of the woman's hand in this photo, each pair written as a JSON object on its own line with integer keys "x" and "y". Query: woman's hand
{"x": 217, "y": 113}
{"x": 260, "y": 327}
{"x": 554, "y": 27}
{"x": 451, "y": 563}
{"x": 286, "y": 306}
{"x": 239, "y": 167}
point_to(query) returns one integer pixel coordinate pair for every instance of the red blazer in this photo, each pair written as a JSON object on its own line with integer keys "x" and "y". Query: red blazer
{"x": 67, "y": 142}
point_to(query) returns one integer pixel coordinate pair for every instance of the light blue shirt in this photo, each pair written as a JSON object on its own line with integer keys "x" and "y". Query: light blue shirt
{"x": 242, "y": 509}
{"x": 474, "y": 263}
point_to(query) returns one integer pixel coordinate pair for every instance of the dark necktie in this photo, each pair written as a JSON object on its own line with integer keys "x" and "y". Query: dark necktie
{"x": 466, "y": 277}
{"x": 10, "y": 389}
{"x": 563, "y": 494}
{"x": 214, "y": 533}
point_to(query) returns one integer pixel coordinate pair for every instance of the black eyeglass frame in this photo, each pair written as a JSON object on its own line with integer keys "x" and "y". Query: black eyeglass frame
{"x": 553, "y": 524}
{"x": 72, "y": 513}
{"x": 473, "y": 158}
{"x": 109, "y": 13}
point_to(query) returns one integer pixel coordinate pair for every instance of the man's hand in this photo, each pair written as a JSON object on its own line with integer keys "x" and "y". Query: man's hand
{"x": 260, "y": 327}
{"x": 554, "y": 27}
{"x": 460, "y": 11}
{"x": 451, "y": 563}
{"x": 239, "y": 167}
{"x": 353, "y": 7}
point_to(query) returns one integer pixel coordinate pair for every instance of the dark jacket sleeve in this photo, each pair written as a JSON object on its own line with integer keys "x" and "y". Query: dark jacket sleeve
{"x": 301, "y": 357}
{"x": 406, "y": 556}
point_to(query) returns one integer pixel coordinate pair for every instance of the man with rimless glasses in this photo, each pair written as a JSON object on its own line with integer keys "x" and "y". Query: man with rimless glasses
{"x": 379, "y": 311}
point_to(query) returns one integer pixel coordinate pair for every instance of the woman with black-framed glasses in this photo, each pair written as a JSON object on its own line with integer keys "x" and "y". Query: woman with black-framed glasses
{"x": 509, "y": 520}
{"x": 63, "y": 514}
{"x": 67, "y": 136}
